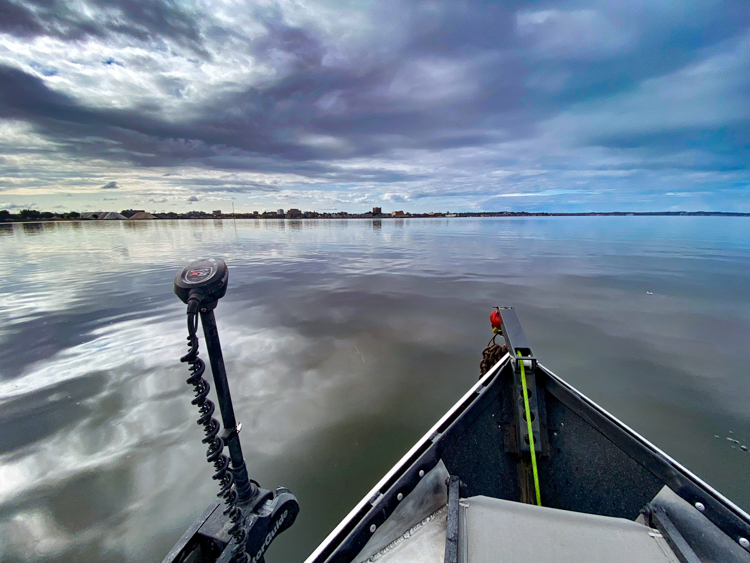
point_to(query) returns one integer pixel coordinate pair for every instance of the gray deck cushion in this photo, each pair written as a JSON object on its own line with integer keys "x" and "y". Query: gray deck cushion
{"x": 500, "y": 531}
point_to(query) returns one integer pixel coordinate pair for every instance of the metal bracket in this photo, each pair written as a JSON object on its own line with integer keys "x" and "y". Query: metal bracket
{"x": 660, "y": 520}
{"x": 451, "y": 536}
{"x": 208, "y": 539}
{"x": 516, "y": 341}
{"x": 228, "y": 433}
{"x": 267, "y": 521}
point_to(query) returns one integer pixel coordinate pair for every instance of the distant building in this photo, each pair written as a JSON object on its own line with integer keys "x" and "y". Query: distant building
{"x": 376, "y": 211}
{"x": 216, "y": 213}
{"x": 398, "y": 214}
{"x": 293, "y": 214}
{"x": 128, "y": 213}
{"x": 142, "y": 215}
{"x": 102, "y": 215}
{"x": 280, "y": 212}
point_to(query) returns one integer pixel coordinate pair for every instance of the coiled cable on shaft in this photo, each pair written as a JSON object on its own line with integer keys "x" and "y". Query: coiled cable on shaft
{"x": 211, "y": 428}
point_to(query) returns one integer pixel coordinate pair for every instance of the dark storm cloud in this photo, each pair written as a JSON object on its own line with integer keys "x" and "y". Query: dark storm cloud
{"x": 27, "y": 97}
{"x": 150, "y": 141}
{"x": 18, "y": 20}
{"x": 306, "y": 50}
{"x": 724, "y": 142}
{"x": 145, "y": 21}
{"x": 433, "y": 77}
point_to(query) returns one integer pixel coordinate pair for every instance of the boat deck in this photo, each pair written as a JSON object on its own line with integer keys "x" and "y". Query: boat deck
{"x": 494, "y": 530}
{"x": 607, "y": 494}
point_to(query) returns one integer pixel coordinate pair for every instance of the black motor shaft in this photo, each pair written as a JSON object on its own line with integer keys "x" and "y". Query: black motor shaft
{"x": 200, "y": 285}
{"x": 252, "y": 516}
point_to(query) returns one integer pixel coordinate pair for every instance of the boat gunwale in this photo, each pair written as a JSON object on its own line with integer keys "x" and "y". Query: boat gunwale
{"x": 469, "y": 397}
{"x": 722, "y": 512}
{"x": 569, "y": 395}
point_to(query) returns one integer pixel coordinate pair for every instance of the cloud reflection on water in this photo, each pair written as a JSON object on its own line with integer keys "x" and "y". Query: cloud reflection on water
{"x": 344, "y": 342}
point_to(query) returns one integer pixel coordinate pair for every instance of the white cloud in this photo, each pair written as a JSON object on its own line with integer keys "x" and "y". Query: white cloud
{"x": 577, "y": 34}
{"x": 395, "y": 197}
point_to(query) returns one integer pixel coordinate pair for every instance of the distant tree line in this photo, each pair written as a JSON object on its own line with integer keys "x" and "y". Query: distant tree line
{"x": 34, "y": 215}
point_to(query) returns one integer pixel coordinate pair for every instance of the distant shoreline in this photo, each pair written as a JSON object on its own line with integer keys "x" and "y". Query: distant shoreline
{"x": 478, "y": 214}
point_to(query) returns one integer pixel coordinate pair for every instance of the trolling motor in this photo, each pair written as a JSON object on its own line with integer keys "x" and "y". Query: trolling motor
{"x": 252, "y": 516}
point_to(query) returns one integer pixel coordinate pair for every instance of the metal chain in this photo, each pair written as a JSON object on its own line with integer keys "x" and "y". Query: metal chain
{"x": 491, "y": 355}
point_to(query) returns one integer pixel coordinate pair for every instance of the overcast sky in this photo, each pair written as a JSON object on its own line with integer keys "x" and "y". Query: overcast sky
{"x": 421, "y": 106}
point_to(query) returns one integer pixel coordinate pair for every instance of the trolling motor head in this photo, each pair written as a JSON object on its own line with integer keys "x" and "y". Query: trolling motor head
{"x": 204, "y": 282}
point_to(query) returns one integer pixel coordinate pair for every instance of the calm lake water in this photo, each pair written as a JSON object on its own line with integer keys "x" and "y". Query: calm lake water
{"x": 344, "y": 342}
